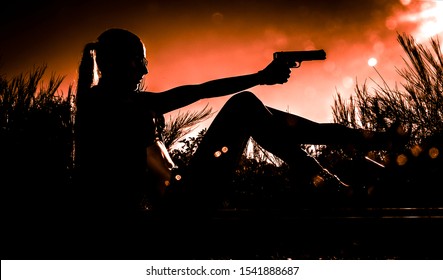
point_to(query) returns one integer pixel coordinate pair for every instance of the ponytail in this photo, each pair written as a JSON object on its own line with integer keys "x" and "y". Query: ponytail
{"x": 86, "y": 70}
{"x": 86, "y": 74}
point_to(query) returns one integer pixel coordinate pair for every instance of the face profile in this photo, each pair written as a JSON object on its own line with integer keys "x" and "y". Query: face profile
{"x": 121, "y": 58}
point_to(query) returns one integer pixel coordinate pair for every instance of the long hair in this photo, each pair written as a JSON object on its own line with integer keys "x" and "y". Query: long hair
{"x": 86, "y": 73}
{"x": 87, "y": 70}
{"x": 110, "y": 46}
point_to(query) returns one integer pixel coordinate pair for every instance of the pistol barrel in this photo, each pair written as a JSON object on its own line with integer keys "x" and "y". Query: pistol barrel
{"x": 294, "y": 58}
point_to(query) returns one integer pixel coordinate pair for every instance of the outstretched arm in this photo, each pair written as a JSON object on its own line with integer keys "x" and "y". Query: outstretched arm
{"x": 274, "y": 73}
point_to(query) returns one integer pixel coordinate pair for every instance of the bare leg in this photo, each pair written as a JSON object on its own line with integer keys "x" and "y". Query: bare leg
{"x": 281, "y": 133}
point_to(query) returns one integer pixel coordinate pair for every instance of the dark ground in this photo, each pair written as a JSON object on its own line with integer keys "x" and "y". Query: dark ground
{"x": 234, "y": 234}
{"x": 340, "y": 234}
{"x": 359, "y": 230}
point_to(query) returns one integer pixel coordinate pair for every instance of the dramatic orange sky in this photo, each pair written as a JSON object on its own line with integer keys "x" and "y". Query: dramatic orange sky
{"x": 194, "y": 41}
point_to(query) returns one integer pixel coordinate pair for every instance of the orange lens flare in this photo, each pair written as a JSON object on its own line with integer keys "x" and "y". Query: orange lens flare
{"x": 433, "y": 152}
{"x": 318, "y": 181}
{"x": 416, "y": 150}
{"x": 402, "y": 159}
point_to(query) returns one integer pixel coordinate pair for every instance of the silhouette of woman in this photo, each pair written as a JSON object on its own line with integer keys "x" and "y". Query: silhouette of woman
{"x": 119, "y": 151}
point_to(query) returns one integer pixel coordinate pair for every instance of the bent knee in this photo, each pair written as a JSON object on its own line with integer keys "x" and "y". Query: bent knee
{"x": 244, "y": 95}
{"x": 243, "y": 98}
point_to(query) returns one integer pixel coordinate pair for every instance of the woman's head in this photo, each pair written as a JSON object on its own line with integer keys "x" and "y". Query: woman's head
{"x": 120, "y": 57}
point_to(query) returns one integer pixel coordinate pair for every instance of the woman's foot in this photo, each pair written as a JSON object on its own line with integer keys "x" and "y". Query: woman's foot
{"x": 394, "y": 139}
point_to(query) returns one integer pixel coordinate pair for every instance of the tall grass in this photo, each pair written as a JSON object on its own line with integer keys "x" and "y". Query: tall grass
{"x": 36, "y": 143}
{"x": 417, "y": 101}
{"x": 183, "y": 124}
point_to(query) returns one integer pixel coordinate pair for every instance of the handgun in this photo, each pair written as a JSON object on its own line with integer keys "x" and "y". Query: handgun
{"x": 295, "y": 58}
